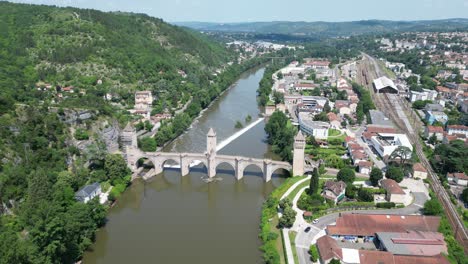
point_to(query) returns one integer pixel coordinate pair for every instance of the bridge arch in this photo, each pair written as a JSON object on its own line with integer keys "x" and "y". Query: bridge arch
{"x": 248, "y": 166}
{"x": 231, "y": 170}
{"x": 280, "y": 169}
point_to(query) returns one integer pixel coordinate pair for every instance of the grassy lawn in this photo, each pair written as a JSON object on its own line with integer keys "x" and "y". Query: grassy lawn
{"x": 273, "y": 223}
{"x": 333, "y": 132}
{"x": 299, "y": 187}
{"x": 292, "y": 238}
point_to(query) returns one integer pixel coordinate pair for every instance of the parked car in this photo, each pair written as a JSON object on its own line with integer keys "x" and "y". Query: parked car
{"x": 315, "y": 221}
{"x": 307, "y": 229}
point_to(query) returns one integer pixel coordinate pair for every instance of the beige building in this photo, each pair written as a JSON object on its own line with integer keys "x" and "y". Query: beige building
{"x": 419, "y": 171}
{"x": 395, "y": 193}
{"x": 143, "y": 100}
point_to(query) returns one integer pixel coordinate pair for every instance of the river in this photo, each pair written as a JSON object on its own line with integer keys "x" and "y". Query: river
{"x": 174, "y": 219}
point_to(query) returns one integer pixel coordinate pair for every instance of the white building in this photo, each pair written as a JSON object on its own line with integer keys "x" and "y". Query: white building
{"x": 317, "y": 129}
{"x": 386, "y": 143}
{"x": 458, "y": 178}
{"x": 424, "y": 95}
{"x": 385, "y": 85}
{"x": 457, "y": 129}
{"x": 88, "y": 192}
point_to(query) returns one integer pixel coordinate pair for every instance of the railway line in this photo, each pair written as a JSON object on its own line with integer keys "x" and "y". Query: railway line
{"x": 394, "y": 108}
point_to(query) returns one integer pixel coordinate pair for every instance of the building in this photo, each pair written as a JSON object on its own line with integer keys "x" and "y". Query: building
{"x": 374, "y": 130}
{"x": 412, "y": 243}
{"x": 329, "y": 249}
{"x": 365, "y": 167}
{"x": 379, "y": 119}
{"x": 88, "y": 192}
{"x": 334, "y": 191}
{"x": 385, "y": 85}
{"x": 354, "y": 226}
{"x": 334, "y": 120}
{"x": 434, "y": 130}
{"x": 423, "y": 96}
{"x": 143, "y": 100}
{"x": 457, "y": 129}
{"x": 434, "y": 107}
{"x": 317, "y": 129}
{"x": 128, "y": 137}
{"x": 458, "y": 178}
{"x": 386, "y": 143}
{"x": 433, "y": 116}
{"x": 395, "y": 193}
{"x": 419, "y": 171}
{"x": 345, "y": 107}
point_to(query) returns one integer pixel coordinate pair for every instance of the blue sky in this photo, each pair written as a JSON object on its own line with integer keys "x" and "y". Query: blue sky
{"x": 274, "y": 10}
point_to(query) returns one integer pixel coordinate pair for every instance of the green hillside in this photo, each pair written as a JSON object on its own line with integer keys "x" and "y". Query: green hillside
{"x": 68, "y": 46}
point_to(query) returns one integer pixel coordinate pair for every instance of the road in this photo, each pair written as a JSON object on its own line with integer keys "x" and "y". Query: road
{"x": 304, "y": 240}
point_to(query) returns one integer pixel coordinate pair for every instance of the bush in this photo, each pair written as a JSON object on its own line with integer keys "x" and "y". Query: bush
{"x": 365, "y": 195}
{"x": 81, "y": 134}
{"x": 347, "y": 175}
{"x": 386, "y": 205}
{"x": 375, "y": 176}
{"x": 395, "y": 173}
{"x": 433, "y": 207}
{"x": 314, "y": 256}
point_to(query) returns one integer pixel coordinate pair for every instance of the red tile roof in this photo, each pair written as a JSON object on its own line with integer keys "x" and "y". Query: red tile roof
{"x": 391, "y": 186}
{"x": 457, "y": 127}
{"x": 435, "y": 129}
{"x": 365, "y": 164}
{"x": 419, "y": 167}
{"x": 439, "y": 259}
{"x": 368, "y": 225}
{"x": 328, "y": 248}
{"x": 459, "y": 175}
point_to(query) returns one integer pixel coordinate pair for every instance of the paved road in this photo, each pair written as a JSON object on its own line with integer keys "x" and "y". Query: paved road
{"x": 304, "y": 240}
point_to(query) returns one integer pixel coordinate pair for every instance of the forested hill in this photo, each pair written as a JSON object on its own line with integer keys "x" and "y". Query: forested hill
{"x": 70, "y": 46}
{"x": 46, "y": 153}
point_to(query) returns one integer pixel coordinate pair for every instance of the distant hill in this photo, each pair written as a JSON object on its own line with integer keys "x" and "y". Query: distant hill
{"x": 331, "y": 29}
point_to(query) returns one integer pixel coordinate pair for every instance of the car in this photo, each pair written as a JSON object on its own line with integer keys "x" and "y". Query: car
{"x": 315, "y": 221}
{"x": 307, "y": 229}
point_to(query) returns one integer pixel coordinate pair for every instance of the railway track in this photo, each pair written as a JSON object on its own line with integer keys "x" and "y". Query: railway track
{"x": 389, "y": 104}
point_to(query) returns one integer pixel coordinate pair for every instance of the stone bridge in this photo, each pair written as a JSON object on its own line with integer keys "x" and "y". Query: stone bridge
{"x": 212, "y": 160}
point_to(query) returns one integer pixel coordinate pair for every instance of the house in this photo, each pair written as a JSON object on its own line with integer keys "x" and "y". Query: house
{"x": 395, "y": 193}
{"x": 434, "y": 130}
{"x": 365, "y": 167}
{"x": 419, "y": 171}
{"x": 458, "y": 178}
{"x": 143, "y": 100}
{"x": 434, "y": 107}
{"x": 449, "y": 138}
{"x": 425, "y": 94}
{"x": 334, "y": 191}
{"x": 334, "y": 120}
{"x": 433, "y": 116}
{"x": 88, "y": 192}
{"x": 457, "y": 129}
{"x": 343, "y": 107}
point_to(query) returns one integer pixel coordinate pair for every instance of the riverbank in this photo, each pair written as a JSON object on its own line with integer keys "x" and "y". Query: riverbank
{"x": 271, "y": 237}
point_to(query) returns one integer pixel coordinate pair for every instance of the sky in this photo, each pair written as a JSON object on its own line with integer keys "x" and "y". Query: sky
{"x": 224, "y": 11}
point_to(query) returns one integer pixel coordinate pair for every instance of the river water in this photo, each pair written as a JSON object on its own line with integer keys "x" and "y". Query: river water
{"x": 173, "y": 219}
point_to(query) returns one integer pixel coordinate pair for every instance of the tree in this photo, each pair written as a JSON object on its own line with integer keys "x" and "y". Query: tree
{"x": 432, "y": 139}
{"x": 365, "y": 195}
{"x": 314, "y": 182}
{"x": 147, "y": 144}
{"x": 326, "y": 107}
{"x": 432, "y": 207}
{"x": 347, "y": 175}
{"x": 116, "y": 168}
{"x": 464, "y": 195}
{"x": 278, "y": 97}
{"x": 402, "y": 154}
{"x": 375, "y": 176}
{"x": 395, "y": 173}
{"x": 334, "y": 261}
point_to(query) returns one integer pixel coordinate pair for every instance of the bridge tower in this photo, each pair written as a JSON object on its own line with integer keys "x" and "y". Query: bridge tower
{"x": 298, "y": 156}
{"x": 211, "y": 152}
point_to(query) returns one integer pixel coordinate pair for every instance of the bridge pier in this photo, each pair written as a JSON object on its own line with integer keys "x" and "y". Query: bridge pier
{"x": 184, "y": 165}
{"x": 239, "y": 171}
{"x": 267, "y": 170}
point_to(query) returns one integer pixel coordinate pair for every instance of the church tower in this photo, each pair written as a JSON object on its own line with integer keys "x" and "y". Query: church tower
{"x": 211, "y": 152}
{"x": 298, "y": 156}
